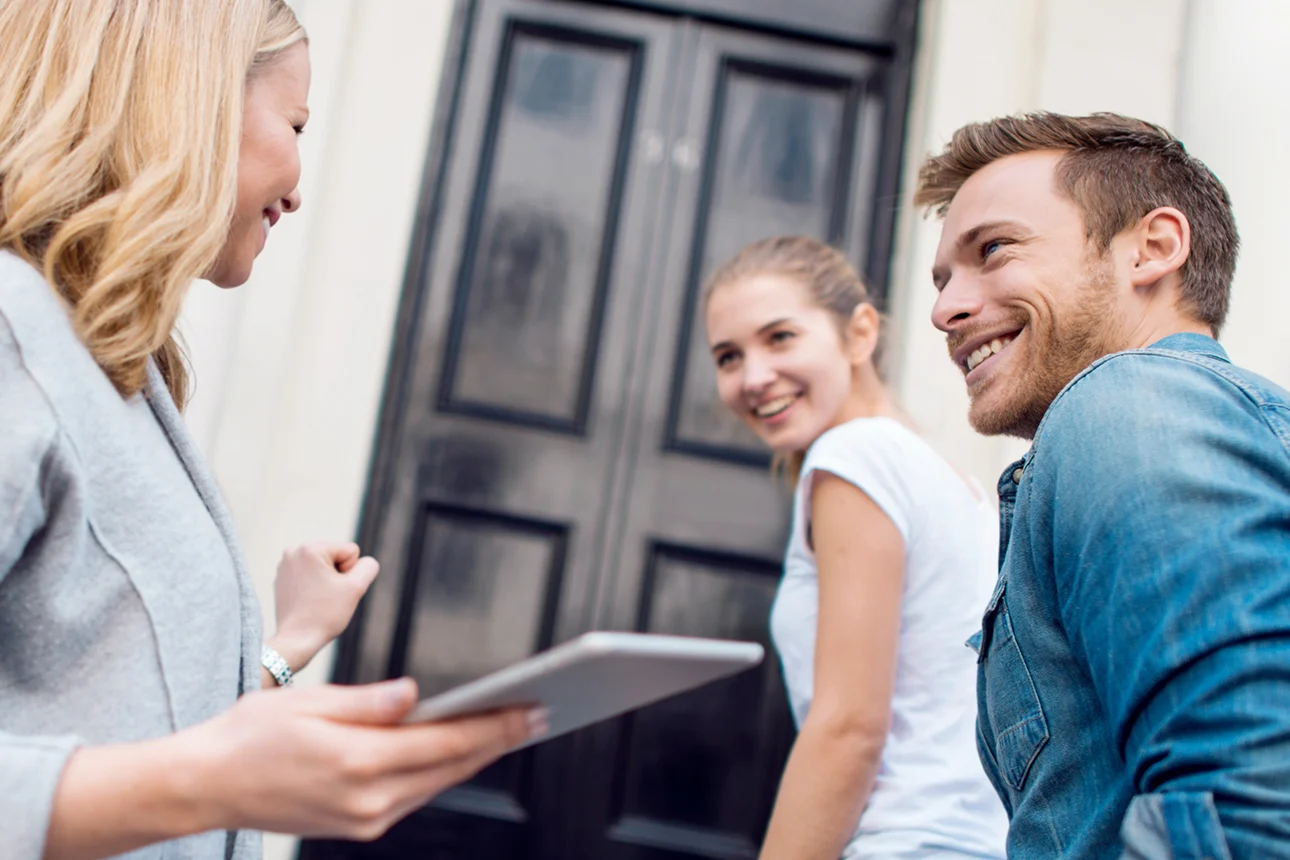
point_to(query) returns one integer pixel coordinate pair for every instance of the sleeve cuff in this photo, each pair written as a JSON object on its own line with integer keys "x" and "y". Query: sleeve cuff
{"x": 29, "y": 772}
{"x": 1171, "y": 826}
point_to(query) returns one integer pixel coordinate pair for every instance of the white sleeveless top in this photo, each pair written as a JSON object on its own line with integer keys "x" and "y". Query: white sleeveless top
{"x": 931, "y": 794}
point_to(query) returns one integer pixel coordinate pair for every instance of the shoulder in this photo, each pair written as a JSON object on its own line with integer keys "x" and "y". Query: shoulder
{"x": 24, "y": 293}
{"x": 29, "y": 418}
{"x": 28, "y": 440}
{"x": 891, "y": 464}
{"x": 1162, "y": 416}
{"x": 38, "y": 337}
{"x": 880, "y": 450}
{"x": 37, "y": 322}
{"x": 1129, "y": 396}
{"x": 864, "y": 440}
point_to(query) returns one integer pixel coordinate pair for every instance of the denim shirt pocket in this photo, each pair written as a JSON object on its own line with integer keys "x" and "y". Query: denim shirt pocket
{"x": 1015, "y": 716}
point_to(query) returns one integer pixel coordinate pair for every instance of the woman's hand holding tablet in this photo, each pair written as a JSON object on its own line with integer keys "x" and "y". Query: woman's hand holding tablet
{"x": 594, "y": 677}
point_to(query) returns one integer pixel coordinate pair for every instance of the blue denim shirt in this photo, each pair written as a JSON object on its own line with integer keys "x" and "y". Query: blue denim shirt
{"x": 1134, "y": 683}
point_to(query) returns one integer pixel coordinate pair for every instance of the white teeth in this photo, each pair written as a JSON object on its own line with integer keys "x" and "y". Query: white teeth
{"x": 774, "y": 407}
{"x": 268, "y": 225}
{"x": 985, "y": 350}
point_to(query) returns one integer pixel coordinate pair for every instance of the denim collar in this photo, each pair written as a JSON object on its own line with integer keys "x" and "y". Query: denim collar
{"x": 1191, "y": 342}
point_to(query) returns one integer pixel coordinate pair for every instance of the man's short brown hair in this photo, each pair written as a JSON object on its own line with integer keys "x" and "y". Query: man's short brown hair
{"x": 1116, "y": 169}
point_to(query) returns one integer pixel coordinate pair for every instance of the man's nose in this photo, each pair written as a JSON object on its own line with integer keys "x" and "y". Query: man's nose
{"x": 959, "y": 300}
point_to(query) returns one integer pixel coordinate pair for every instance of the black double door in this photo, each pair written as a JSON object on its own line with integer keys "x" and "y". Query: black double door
{"x": 553, "y": 458}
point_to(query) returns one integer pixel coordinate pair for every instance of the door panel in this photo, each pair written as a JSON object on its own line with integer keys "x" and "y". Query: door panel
{"x": 781, "y": 151}
{"x": 485, "y": 590}
{"x": 690, "y": 774}
{"x": 533, "y": 287}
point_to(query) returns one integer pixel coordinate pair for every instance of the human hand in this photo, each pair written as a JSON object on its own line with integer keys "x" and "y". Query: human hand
{"x": 316, "y": 590}
{"x": 334, "y": 762}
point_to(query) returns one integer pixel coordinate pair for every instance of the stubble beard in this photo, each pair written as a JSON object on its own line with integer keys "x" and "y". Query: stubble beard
{"x": 1055, "y": 356}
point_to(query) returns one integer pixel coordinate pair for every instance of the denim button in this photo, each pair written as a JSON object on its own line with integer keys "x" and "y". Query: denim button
{"x": 1016, "y": 475}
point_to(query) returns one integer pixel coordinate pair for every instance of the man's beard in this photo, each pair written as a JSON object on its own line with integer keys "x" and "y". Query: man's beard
{"x": 1071, "y": 342}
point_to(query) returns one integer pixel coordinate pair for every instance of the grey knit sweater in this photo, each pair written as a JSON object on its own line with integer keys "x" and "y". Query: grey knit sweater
{"x": 126, "y": 611}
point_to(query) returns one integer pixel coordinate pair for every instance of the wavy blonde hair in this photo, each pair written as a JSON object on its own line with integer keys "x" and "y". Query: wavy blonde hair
{"x": 120, "y": 125}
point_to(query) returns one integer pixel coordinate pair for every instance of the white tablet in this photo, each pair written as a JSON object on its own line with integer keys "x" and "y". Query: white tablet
{"x": 594, "y": 677}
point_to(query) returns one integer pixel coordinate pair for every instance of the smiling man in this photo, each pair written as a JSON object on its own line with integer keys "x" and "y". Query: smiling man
{"x": 1134, "y": 672}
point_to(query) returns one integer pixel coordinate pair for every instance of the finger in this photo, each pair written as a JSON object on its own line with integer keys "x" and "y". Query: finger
{"x": 381, "y": 704}
{"x": 346, "y": 562}
{"x": 340, "y": 554}
{"x": 418, "y": 788}
{"x": 405, "y": 793}
{"x": 418, "y": 747}
{"x": 363, "y": 572}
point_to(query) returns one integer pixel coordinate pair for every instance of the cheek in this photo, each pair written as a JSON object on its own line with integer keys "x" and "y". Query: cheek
{"x": 290, "y": 163}
{"x": 839, "y": 387}
{"x": 728, "y": 389}
{"x": 252, "y": 188}
{"x": 247, "y": 238}
{"x": 828, "y": 373}
{"x": 268, "y": 170}
{"x": 1034, "y": 290}
{"x": 248, "y": 207}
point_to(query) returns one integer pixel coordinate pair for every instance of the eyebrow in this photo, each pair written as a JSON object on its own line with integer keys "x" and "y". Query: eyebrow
{"x": 725, "y": 344}
{"x": 940, "y": 274}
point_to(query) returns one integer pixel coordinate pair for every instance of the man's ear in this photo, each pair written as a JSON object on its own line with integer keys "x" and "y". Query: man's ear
{"x": 862, "y": 333}
{"x": 1161, "y": 244}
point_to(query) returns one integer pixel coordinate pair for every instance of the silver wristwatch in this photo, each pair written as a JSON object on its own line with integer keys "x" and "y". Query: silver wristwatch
{"x": 277, "y": 666}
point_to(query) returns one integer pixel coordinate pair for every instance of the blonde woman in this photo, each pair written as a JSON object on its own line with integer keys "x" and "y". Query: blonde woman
{"x": 889, "y": 563}
{"x": 143, "y": 144}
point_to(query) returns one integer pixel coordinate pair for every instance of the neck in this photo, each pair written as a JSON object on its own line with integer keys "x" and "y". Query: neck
{"x": 1154, "y": 326}
{"x": 869, "y": 397}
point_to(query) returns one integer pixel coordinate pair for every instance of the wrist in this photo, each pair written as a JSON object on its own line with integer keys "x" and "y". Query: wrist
{"x": 296, "y": 650}
{"x": 193, "y": 781}
{"x": 116, "y": 798}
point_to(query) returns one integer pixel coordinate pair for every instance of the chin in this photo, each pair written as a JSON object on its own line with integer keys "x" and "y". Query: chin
{"x": 792, "y": 443}
{"x": 1003, "y": 418}
{"x": 229, "y": 276}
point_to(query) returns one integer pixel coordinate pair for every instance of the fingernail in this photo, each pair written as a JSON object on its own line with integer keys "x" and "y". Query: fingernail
{"x": 396, "y": 693}
{"x": 539, "y": 722}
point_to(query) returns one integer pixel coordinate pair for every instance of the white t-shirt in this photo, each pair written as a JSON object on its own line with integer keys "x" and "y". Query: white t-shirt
{"x": 931, "y": 793}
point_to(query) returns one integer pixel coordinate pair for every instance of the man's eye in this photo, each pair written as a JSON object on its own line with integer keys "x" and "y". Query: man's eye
{"x": 990, "y": 247}
{"x": 725, "y": 358}
{"x": 299, "y": 129}
{"x": 780, "y": 336}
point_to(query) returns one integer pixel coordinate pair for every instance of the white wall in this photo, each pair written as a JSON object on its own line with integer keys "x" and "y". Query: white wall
{"x": 1232, "y": 114}
{"x": 290, "y": 367}
{"x": 984, "y": 58}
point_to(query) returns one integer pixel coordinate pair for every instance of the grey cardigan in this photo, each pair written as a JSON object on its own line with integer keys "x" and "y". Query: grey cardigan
{"x": 126, "y": 611}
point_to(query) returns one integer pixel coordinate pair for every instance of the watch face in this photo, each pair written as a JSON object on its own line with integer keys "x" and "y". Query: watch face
{"x": 278, "y": 668}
